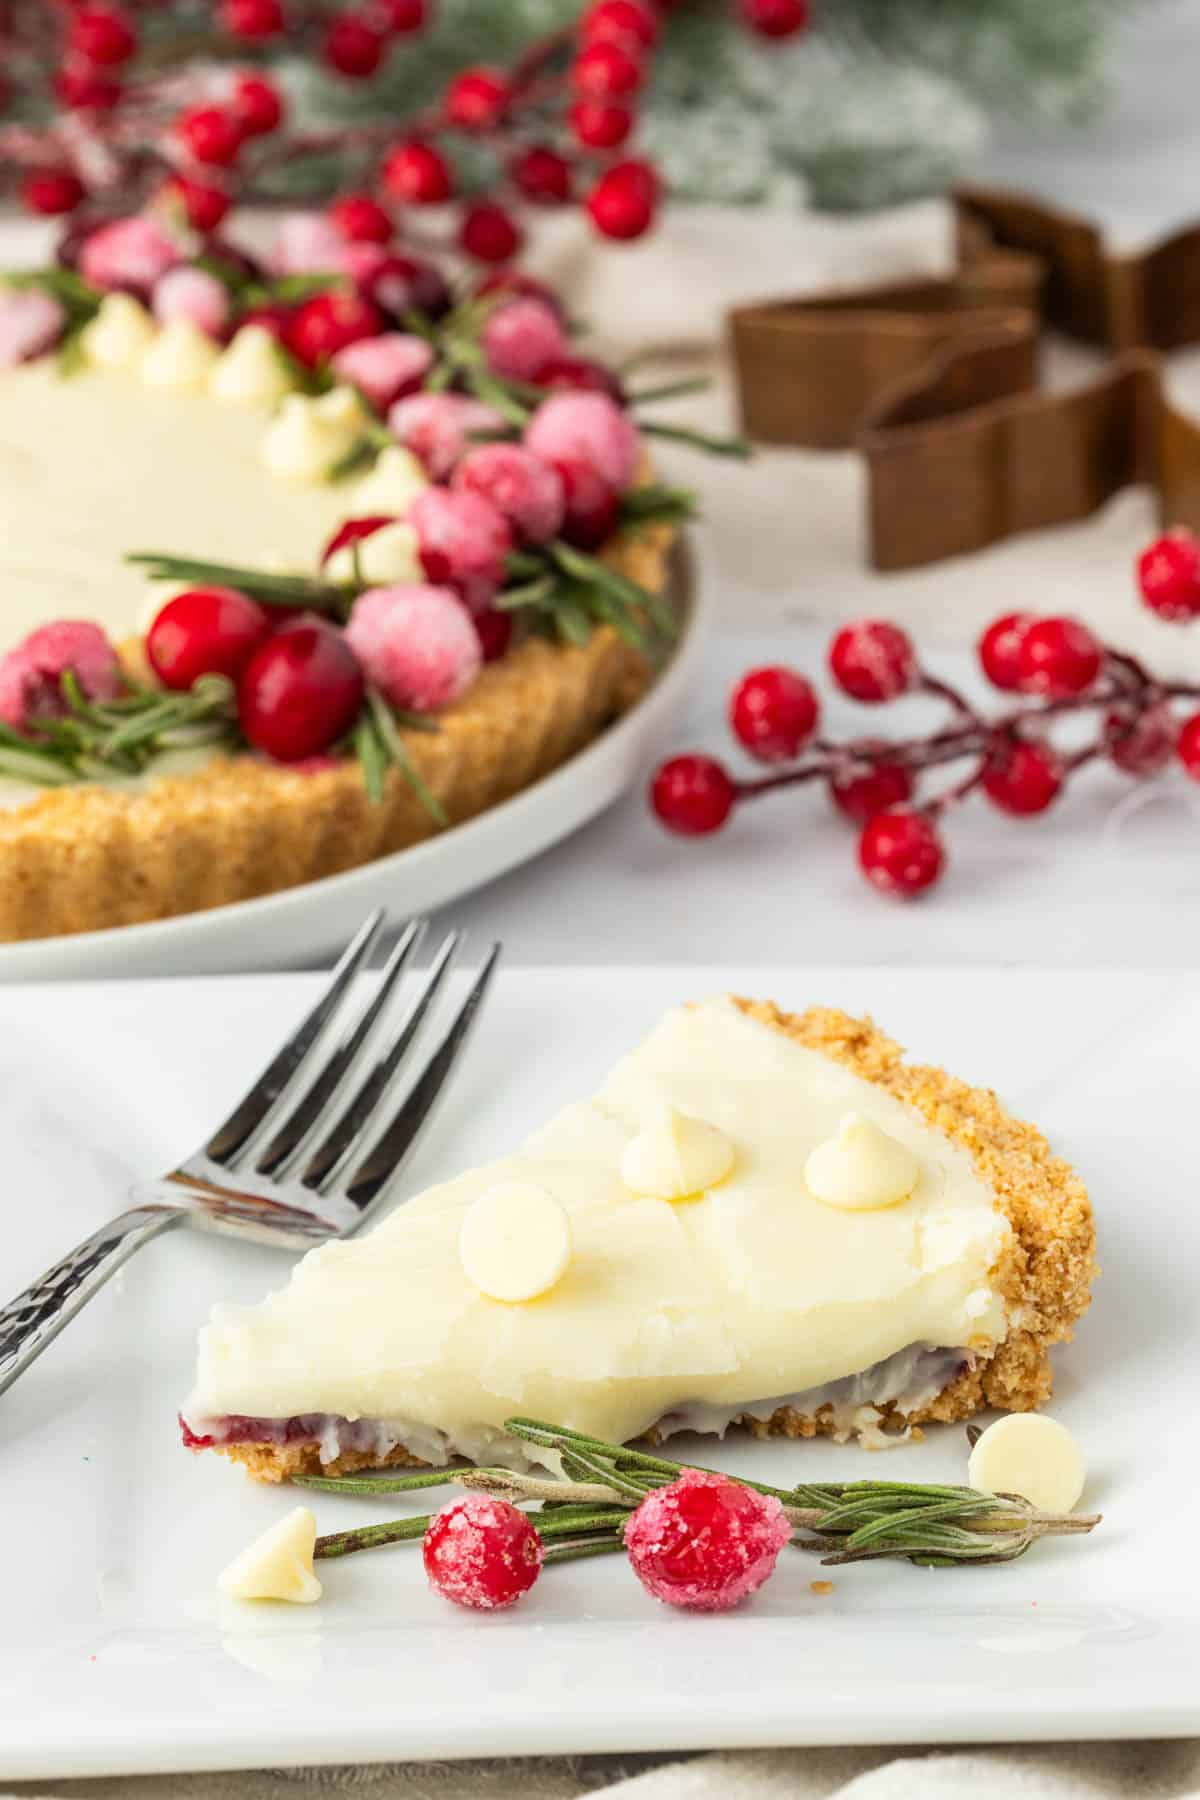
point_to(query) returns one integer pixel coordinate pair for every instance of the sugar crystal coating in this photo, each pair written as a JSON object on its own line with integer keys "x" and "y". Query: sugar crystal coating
{"x": 705, "y": 1541}
{"x": 482, "y": 1553}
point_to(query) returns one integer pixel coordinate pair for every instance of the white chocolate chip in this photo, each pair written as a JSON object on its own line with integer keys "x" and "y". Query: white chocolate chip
{"x": 677, "y": 1156}
{"x": 278, "y": 1565}
{"x": 862, "y": 1168}
{"x": 1028, "y": 1454}
{"x": 515, "y": 1241}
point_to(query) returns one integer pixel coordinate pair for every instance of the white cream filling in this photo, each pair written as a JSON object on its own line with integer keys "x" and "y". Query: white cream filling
{"x": 697, "y": 1309}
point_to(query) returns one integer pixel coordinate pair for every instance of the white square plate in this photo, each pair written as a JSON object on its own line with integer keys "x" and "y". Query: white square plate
{"x": 115, "y": 1653}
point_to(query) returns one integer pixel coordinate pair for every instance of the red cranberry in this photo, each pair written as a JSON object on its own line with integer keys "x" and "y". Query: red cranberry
{"x": 476, "y": 99}
{"x": 300, "y": 692}
{"x": 692, "y": 795}
{"x": 254, "y": 21}
{"x": 1187, "y": 746}
{"x": 258, "y": 105}
{"x": 210, "y": 134}
{"x": 204, "y": 204}
{"x": 404, "y": 284}
{"x": 775, "y": 18}
{"x": 624, "y": 200}
{"x": 593, "y": 510}
{"x": 353, "y": 47}
{"x": 1000, "y": 649}
{"x": 489, "y": 233}
{"x": 1168, "y": 573}
{"x": 353, "y": 531}
{"x": 606, "y": 71}
{"x": 418, "y": 174}
{"x": 52, "y": 191}
{"x": 327, "y": 323}
{"x": 1058, "y": 658}
{"x": 873, "y": 661}
{"x": 620, "y": 22}
{"x": 82, "y": 88}
{"x": 361, "y": 220}
{"x": 704, "y": 1541}
{"x": 598, "y": 125}
{"x": 869, "y": 784}
{"x": 482, "y": 1552}
{"x": 205, "y": 631}
{"x": 901, "y": 853}
{"x": 773, "y": 713}
{"x": 273, "y": 316}
{"x": 1023, "y": 778}
{"x": 101, "y": 34}
{"x": 542, "y": 175}
{"x": 583, "y": 373}
{"x": 495, "y": 628}
{"x": 402, "y": 16}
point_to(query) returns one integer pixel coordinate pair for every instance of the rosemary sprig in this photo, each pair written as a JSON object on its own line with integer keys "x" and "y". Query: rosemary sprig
{"x": 330, "y": 597}
{"x": 379, "y": 747}
{"x": 107, "y": 740}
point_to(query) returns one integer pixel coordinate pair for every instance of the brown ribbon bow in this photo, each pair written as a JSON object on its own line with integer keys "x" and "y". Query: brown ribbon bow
{"x": 936, "y": 382}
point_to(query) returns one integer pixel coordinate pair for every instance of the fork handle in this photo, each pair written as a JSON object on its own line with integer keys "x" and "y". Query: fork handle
{"x": 34, "y": 1318}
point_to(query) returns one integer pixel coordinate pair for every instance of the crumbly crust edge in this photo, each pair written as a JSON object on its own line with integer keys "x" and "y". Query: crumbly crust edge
{"x": 1045, "y": 1273}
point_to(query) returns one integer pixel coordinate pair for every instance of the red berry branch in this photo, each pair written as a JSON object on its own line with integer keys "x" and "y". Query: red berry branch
{"x": 118, "y": 129}
{"x": 1057, "y": 666}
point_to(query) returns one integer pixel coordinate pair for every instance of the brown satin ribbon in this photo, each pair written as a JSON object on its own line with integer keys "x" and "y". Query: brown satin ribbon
{"x": 936, "y": 382}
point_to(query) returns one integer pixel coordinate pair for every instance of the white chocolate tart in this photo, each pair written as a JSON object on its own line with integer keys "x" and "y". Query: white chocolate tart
{"x": 751, "y": 1300}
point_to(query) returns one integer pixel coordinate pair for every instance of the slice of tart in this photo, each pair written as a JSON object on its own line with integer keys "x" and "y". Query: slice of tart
{"x": 761, "y": 1218}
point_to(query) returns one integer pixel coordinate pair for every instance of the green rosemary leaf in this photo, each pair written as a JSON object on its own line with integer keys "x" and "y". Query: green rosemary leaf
{"x": 497, "y": 394}
{"x": 71, "y": 357}
{"x": 27, "y": 765}
{"x": 393, "y": 746}
{"x": 529, "y": 593}
{"x": 291, "y": 289}
{"x": 358, "y": 458}
{"x": 590, "y": 571}
{"x": 655, "y": 504}
{"x": 373, "y": 757}
{"x": 371, "y": 1537}
{"x": 668, "y": 390}
{"x": 571, "y": 618}
{"x": 377, "y": 1484}
{"x": 736, "y": 447}
{"x": 623, "y": 622}
{"x": 273, "y": 590}
{"x": 606, "y": 1545}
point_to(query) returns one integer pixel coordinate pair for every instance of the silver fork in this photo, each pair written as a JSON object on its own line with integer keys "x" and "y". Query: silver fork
{"x": 307, "y": 1154}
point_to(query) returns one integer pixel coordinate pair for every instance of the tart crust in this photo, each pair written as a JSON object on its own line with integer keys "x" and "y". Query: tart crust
{"x": 1045, "y": 1274}
{"x": 88, "y": 858}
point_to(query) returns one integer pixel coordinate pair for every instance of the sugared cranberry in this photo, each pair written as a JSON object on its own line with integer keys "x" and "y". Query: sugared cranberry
{"x": 400, "y": 285}
{"x": 204, "y": 204}
{"x": 385, "y": 368}
{"x": 437, "y": 428}
{"x": 623, "y": 202}
{"x": 190, "y": 293}
{"x": 463, "y": 541}
{"x": 206, "y": 631}
{"x": 495, "y": 629}
{"x": 482, "y": 1553}
{"x": 417, "y": 174}
{"x": 593, "y": 509}
{"x": 516, "y": 285}
{"x": 585, "y": 373}
{"x": 521, "y": 337}
{"x": 543, "y": 175}
{"x": 527, "y": 491}
{"x": 353, "y": 47}
{"x": 775, "y": 18}
{"x": 81, "y": 87}
{"x": 52, "y": 191}
{"x": 489, "y": 233}
{"x": 476, "y": 99}
{"x": 901, "y": 853}
{"x": 210, "y": 134}
{"x": 1187, "y": 746}
{"x": 773, "y": 713}
{"x": 327, "y": 322}
{"x": 604, "y": 70}
{"x": 1168, "y": 572}
{"x": 101, "y": 34}
{"x": 869, "y": 783}
{"x": 361, "y": 220}
{"x": 1023, "y": 778}
{"x": 31, "y": 674}
{"x": 254, "y": 21}
{"x": 586, "y": 428}
{"x": 600, "y": 125}
{"x": 621, "y": 22}
{"x": 300, "y": 691}
{"x": 705, "y": 1542}
{"x": 1058, "y": 658}
{"x": 692, "y": 795}
{"x": 1140, "y": 740}
{"x": 873, "y": 661}
{"x": 416, "y": 644}
{"x": 1000, "y": 649}
{"x": 257, "y": 104}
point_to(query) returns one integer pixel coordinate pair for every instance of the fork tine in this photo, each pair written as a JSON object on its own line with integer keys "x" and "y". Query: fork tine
{"x": 370, "y": 1180}
{"x": 350, "y": 1128}
{"x": 318, "y": 1099}
{"x": 257, "y": 1105}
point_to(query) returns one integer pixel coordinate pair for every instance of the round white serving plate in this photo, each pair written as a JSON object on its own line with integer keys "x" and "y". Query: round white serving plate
{"x": 304, "y": 924}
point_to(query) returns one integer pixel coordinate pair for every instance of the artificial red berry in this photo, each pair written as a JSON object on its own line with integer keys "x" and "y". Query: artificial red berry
{"x": 620, "y": 21}
{"x": 476, "y": 99}
{"x": 401, "y": 285}
{"x": 773, "y": 712}
{"x": 624, "y": 201}
{"x": 1141, "y": 740}
{"x": 1187, "y": 746}
{"x": 1168, "y": 572}
{"x": 1000, "y": 649}
{"x": 257, "y": 104}
{"x": 417, "y": 174}
{"x": 300, "y": 691}
{"x": 495, "y": 628}
{"x": 361, "y": 219}
{"x": 869, "y": 783}
{"x": 52, "y": 191}
{"x": 542, "y": 175}
{"x": 901, "y": 853}
{"x": 704, "y": 1541}
{"x": 692, "y": 795}
{"x": 584, "y": 374}
{"x": 327, "y": 322}
{"x": 254, "y": 21}
{"x": 353, "y": 47}
{"x": 482, "y": 1552}
{"x": 1023, "y": 777}
{"x": 775, "y": 18}
{"x": 402, "y": 16}
{"x": 872, "y": 661}
{"x": 205, "y": 631}
{"x": 600, "y": 126}
{"x": 606, "y": 71}
{"x": 101, "y": 34}
{"x": 489, "y": 233}
{"x": 210, "y": 134}
{"x": 1058, "y": 658}
{"x": 593, "y": 509}
{"x": 82, "y": 88}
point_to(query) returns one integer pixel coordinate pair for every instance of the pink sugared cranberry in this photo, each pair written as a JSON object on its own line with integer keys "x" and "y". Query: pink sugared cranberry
{"x": 130, "y": 253}
{"x": 705, "y": 1542}
{"x": 416, "y": 644}
{"x": 306, "y": 244}
{"x": 30, "y": 322}
{"x": 528, "y": 492}
{"x": 482, "y": 1553}
{"x": 193, "y": 294}
{"x": 463, "y": 541}
{"x": 31, "y": 674}
{"x": 586, "y": 428}
{"x": 437, "y": 428}
{"x": 521, "y": 337}
{"x": 385, "y": 368}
